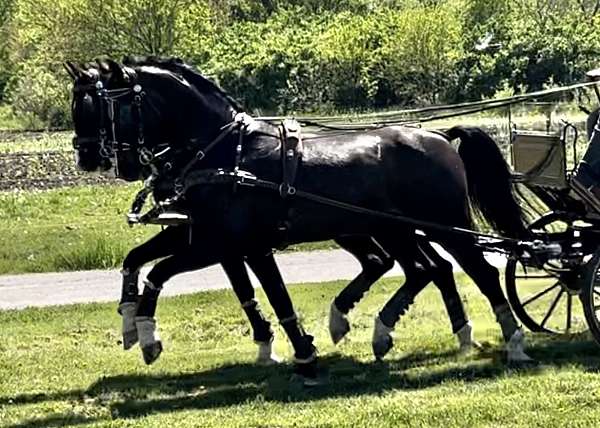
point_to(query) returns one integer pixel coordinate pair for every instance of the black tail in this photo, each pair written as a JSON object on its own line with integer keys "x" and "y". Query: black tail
{"x": 489, "y": 181}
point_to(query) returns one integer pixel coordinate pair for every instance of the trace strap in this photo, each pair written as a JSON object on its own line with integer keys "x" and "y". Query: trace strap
{"x": 243, "y": 178}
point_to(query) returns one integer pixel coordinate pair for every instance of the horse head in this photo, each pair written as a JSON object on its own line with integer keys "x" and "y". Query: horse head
{"x": 126, "y": 115}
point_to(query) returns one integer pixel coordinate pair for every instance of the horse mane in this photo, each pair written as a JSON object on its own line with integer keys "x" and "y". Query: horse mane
{"x": 188, "y": 72}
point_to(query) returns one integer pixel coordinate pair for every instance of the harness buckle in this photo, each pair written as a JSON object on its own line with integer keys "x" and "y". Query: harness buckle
{"x": 200, "y": 155}
{"x": 106, "y": 152}
{"x": 286, "y": 190}
{"x": 179, "y": 187}
{"x": 146, "y": 156}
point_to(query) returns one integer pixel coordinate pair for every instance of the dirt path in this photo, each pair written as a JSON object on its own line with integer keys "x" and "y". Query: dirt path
{"x": 46, "y": 289}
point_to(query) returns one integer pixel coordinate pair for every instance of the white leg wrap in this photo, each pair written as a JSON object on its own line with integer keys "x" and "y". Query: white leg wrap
{"x": 146, "y": 328}
{"x": 128, "y": 329}
{"x": 515, "y": 348}
{"x": 149, "y": 340}
{"x": 338, "y": 323}
{"x": 266, "y": 356}
{"x": 465, "y": 339}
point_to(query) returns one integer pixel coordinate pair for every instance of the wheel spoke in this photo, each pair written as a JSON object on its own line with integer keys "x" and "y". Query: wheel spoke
{"x": 540, "y": 294}
{"x": 569, "y": 304}
{"x": 596, "y": 292}
{"x": 552, "y": 307}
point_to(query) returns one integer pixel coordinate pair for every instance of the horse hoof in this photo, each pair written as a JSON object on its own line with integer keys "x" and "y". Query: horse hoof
{"x": 382, "y": 347}
{"x": 467, "y": 348}
{"x": 515, "y": 352}
{"x": 266, "y": 356}
{"x": 307, "y": 374}
{"x": 338, "y": 324}
{"x": 465, "y": 340}
{"x": 130, "y": 338}
{"x": 382, "y": 339}
{"x": 152, "y": 352}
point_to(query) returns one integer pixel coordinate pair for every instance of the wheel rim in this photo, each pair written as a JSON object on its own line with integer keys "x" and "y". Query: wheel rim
{"x": 543, "y": 298}
{"x": 590, "y": 296}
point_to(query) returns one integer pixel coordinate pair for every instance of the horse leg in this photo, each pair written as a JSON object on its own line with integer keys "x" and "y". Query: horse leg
{"x": 417, "y": 271}
{"x": 443, "y": 278}
{"x": 262, "y": 332}
{"x": 163, "y": 244}
{"x": 487, "y": 279}
{"x": 305, "y": 354}
{"x": 374, "y": 262}
{"x": 145, "y": 320}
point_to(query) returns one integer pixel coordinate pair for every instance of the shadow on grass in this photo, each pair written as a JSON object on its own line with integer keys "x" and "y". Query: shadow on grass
{"x": 135, "y": 396}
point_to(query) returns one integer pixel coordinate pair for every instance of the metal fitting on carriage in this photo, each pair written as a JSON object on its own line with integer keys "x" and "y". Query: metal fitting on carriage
{"x": 540, "y": 249}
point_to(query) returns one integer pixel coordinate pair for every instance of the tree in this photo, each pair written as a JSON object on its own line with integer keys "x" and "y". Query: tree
{"x": 5, "y": 13}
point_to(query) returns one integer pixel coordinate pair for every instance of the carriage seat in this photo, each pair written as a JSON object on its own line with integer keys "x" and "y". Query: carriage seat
{"x": 539, "y": 159}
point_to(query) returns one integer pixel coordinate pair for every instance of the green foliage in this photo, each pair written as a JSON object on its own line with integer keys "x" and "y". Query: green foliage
{"x": 289, "y": 56}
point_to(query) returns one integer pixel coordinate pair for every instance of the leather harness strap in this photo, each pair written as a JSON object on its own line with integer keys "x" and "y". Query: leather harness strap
{"x": 291, "y": 155}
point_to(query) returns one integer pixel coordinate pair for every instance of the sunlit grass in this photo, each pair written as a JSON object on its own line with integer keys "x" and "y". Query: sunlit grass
{"x": 63, "y": 367}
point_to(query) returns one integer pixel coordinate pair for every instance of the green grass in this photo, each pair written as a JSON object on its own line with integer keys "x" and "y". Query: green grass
{"x": 62, "y": 366}
{"x": 33, "y": 142}
{"x": 74, "y": 228}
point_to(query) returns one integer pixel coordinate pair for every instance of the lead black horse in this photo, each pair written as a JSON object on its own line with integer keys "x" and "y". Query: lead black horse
{"x": 141, "y": 112}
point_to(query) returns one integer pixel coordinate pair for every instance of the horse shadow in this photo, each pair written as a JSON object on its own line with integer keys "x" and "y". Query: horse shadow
{"x": 136, "y": 396}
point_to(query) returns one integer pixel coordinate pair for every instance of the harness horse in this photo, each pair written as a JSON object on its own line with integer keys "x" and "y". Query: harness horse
{"x": 227, "y": 174}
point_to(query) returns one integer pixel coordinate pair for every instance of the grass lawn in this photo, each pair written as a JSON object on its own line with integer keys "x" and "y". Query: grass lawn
{"x": 63, "y": 367}
{"x": 73, "y": 228}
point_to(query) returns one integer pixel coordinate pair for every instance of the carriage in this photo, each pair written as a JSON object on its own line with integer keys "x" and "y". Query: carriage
{"x": 556, "y": 261}
{"x": 559, "y": 291}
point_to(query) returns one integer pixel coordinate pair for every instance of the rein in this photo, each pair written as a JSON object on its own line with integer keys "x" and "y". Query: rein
{"x": 244, "y": 178}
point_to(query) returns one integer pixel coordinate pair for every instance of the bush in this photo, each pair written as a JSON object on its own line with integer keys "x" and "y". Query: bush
{"x": 41, "y": 97}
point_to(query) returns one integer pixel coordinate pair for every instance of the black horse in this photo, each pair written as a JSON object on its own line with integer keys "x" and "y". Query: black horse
{"x": 374, "y": 261}
{"x": 393, "y": 170}
{"x": 425, "y": 264}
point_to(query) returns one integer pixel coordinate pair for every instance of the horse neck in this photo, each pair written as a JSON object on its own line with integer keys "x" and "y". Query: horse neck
{"x": 201, "y": 118}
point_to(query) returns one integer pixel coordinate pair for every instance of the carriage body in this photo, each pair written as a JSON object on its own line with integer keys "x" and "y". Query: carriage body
{"x": 557, "y": 292}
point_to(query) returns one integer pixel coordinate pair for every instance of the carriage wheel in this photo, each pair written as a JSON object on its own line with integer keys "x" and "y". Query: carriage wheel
{"x": 545, "y": 299}
{"x": 590, "y": 295}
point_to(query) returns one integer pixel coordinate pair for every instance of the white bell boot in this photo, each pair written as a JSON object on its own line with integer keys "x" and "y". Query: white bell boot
{"x": 266, "y": 356}
{"x": 515, "y": 348}
{"x": 149, "y": 339}
{"x": 466, "y": 343}
{"x": 338, "y": 324}
{"x": 382, "y": 339}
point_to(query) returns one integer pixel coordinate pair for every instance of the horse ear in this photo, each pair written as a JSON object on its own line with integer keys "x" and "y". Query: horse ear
{"x": 68, "y": 65}
{"x": 117, "y": 70}
{"x": 76, "y": 71}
